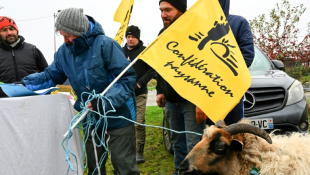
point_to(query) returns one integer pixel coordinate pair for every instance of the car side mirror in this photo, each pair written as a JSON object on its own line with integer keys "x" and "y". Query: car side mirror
{"x": 278, "y": 64}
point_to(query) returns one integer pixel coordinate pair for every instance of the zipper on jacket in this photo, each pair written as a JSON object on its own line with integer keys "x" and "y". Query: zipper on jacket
{"x": 87, "y": 82}
{"x": 15, "y": 66}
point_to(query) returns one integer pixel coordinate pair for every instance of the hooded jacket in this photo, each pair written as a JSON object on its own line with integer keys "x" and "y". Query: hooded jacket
{"x": 92, "y": 63}
{"x": 19, "y": 61}
{"x": 242, "y": 32}
{"x": 144, "y": 72}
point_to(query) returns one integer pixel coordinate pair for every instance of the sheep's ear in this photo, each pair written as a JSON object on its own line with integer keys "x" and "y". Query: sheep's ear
{"x": 237, "y": 145}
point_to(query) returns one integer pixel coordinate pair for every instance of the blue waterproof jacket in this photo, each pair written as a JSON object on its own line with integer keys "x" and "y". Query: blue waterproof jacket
{"x": 91, "y": 63}
{"x": 242, "y": 32}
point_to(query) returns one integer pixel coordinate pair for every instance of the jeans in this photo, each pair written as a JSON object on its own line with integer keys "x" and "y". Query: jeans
{"x": 182, "y": 117}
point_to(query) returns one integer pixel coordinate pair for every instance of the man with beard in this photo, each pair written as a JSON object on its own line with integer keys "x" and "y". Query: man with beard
{"x": 18, "y": 58}
{"x": 181, "y": 113}
{"x": 145, "y": 73}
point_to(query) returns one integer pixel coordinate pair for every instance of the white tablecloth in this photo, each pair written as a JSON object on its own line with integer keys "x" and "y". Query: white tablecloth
{"x": 31, "y": 135}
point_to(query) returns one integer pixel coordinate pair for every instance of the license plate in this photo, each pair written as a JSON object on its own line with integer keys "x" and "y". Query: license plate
{"x": 264, "y": 123}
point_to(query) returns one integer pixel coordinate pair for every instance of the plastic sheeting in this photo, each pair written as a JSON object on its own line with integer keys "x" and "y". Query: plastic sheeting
{"x": 31, "y": 135}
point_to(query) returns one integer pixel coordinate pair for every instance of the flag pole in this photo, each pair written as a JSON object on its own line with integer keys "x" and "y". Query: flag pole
{"x": 111, "y": 84}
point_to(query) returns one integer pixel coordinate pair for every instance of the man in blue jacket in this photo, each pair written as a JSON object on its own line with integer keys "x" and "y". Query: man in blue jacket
{"x": 91, "y": 60}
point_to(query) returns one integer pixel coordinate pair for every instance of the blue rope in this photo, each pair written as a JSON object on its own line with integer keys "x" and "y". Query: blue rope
{"x": 89, "y": 121}
{"x": 254, "y": 171}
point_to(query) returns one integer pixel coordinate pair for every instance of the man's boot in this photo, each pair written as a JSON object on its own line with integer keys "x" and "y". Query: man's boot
{"x": 139, "y": 154}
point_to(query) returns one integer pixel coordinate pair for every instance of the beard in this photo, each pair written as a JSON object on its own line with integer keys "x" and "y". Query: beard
{"x": 10, "y": 39}
{"x": 167, "y": 22}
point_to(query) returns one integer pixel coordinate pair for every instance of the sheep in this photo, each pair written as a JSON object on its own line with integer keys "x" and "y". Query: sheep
{"x": 236, "y": 149}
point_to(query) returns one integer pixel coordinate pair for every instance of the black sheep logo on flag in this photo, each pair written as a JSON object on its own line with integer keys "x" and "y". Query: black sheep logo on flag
{"x": 217, "y": 32}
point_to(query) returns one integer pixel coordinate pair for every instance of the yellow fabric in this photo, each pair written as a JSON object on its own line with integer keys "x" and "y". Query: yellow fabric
{"x": 190, "y": 55}
{"x": 122, "y": 15}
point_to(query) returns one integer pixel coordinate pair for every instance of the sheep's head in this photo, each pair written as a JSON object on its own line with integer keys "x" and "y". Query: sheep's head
{"x": 217, "y": 152}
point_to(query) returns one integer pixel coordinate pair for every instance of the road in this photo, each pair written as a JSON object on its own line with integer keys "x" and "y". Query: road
{"x": 307, "y": 94}
{"x": 151, "y": 98}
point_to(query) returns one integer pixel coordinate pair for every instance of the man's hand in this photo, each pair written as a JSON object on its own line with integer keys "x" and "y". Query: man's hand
{"x": 90, "y": 106}
{"x": 160, "y": 100}
{"x": 200, "y": 115}
{"x": 19, "y": 82}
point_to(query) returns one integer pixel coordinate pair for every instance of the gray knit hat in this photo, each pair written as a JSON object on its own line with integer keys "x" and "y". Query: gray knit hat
{"x": 72, "y": 21}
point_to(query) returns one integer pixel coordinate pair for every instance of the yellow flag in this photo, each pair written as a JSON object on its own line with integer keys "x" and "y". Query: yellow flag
{"x": 122, "y": 15}
{"x": 200, "y": 58}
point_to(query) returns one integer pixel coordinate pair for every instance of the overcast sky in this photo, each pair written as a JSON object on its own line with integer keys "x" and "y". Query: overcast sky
{"x": 35, "y": 18}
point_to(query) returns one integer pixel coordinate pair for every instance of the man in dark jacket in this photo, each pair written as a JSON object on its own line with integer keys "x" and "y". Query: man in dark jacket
{"x": 182, "y": 114}
{"x": 18, "y": 58}
{"x": 91, "y": 61}
{"x": 145, "y": 73}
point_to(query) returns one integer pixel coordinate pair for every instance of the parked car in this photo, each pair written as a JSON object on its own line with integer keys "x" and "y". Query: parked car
{"x": 274, "y": 101}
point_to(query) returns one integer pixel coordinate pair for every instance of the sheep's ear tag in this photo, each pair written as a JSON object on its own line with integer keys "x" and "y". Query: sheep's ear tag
{"x": 237, "y": 145}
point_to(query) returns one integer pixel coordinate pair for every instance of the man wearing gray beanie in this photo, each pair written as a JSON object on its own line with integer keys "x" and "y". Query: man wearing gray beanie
{"x": 72, "y": 21}
{"x": 91, "y": 60}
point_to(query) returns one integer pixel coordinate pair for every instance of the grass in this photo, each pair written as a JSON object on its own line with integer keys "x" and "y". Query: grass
{"x": 67, "y": 88}
{"x": 157, "y": 160}
{"x": 151, "y": 85}
{"x": 307, "y": 77}
{"x": 64, "y": 88}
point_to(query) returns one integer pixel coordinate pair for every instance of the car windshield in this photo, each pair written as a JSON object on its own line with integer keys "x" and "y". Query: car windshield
{"x": 260, "y": 62}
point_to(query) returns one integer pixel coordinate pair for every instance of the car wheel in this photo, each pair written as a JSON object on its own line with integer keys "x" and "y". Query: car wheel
{"x": 166, "y": 134}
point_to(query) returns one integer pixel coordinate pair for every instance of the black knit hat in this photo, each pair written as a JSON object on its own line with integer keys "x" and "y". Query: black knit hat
{"x": 179, "y": 4}
{"x": 133, "y": 30}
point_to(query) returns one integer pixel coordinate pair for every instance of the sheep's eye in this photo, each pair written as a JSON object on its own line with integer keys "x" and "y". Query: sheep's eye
{"x": 217, "y": 146}
{"x": 220, "y": 147}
